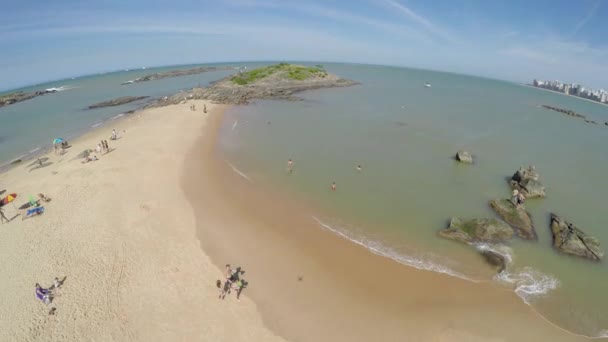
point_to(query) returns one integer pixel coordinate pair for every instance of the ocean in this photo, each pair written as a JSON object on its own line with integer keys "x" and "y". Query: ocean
{"x": 404, "y": 135}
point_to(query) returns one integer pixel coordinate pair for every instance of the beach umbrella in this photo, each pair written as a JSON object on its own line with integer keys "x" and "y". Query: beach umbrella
{"x": 58, "y": 141}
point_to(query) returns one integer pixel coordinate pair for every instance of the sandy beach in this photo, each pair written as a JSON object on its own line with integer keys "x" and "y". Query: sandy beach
{"x": 142, "y": 233}
{"x": 122, "y": 232}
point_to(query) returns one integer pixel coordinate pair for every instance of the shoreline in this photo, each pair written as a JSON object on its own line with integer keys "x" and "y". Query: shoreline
{"x": 311, "y": 283}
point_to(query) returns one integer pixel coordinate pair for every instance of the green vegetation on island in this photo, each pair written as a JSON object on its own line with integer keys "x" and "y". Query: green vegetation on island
{"x": 289, "y": 71}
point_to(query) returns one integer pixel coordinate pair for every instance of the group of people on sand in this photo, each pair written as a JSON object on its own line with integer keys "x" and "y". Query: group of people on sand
{"x": 193, "y": 108}
{"x": 103, "y": 147}
{"x": 333, "y": 187}
{"x": 232, "y": 282}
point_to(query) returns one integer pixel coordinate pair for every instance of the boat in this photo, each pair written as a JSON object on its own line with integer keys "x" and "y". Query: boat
{"x": 427, "y": 84}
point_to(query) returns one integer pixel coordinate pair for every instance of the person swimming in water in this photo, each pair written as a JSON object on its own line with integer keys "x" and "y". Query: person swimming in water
{"x": 359, "y": 168}
{"x": 333, "y": 186}
{"x": 290, "y": 166}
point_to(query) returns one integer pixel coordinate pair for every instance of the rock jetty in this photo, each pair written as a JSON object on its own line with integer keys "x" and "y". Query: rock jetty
{"x": 20, "y": 96}
{"x": 477, "y": 230}
{"x": 570, "y": 239}
{"x": 570, "y": 113}
{"x": 176, "y": 73}
{"x": 117, "y": 102}
{"x": 280, "y": 81}
{"x": 518, "y": 218}
{"x": 464, "y": 157}
{"x": 494, "y": 259}
{"x": 527, "y": 181}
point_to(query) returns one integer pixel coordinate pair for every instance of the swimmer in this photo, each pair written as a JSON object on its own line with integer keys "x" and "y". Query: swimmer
{"x": 333, "y": 186}
{"x": 290, "y": 166}
{"x": 359, "y": 168}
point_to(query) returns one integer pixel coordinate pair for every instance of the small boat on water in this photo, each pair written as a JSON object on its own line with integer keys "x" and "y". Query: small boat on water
{"x": 427, "y": 84}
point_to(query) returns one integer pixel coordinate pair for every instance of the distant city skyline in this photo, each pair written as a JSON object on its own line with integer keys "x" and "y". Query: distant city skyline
{"x": 508, "y": 40}
{"x": 575, "y": 89}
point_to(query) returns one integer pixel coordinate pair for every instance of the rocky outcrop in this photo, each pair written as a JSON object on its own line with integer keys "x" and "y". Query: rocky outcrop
{"x": 464, "y": 157}
{"x": 20, "y": 96}
{"x": 518, "y": 218}
{"x": 477, "y": 230}
{"x": 117, "y": 102}
{"x": 570, "y": 239}
{"x": 176, "y": 73}
{"x": 527, "y": 181}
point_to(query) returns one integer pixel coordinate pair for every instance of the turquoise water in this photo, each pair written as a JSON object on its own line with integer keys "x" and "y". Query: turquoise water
{"x": 33, "y": 124}
{"x": 404, "y": 135}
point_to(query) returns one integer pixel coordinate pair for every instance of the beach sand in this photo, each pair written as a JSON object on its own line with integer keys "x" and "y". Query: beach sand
{"x": 142, "y": 234}
{"x": 122, "y": 232}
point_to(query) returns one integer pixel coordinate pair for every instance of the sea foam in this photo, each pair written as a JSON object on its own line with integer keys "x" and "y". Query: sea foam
{"x": 378, "y": 248}
{"x": 528, "y": 282}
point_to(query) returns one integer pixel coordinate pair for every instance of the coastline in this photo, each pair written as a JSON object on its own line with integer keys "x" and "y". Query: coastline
{"x": 313, "y": 285}
{"x": 122, "y": 232}
{"x": 560, "y": 93}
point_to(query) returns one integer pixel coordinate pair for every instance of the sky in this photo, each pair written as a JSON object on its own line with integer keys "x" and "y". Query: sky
{"x": 515, "y": 40}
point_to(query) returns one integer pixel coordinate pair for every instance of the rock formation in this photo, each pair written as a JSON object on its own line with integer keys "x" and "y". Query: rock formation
{"x": 117, "y": 102}
{"x": 570, "y": 239}
{"x": 518, "y": 218}
{"x": 464, "y": 157}
{"x": 527, "y": 181}
{"x": 477, "y": 230}
{"x": 176, "y": 73}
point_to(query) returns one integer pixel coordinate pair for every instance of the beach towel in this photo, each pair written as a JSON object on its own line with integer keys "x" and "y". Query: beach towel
{"x": 34, "y": 211}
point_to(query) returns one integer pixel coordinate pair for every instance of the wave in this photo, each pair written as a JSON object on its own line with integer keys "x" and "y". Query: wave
{"x": 34, "y": 150}
{"x": 62, "y": 88}
{"x": 117, "y": 116}
{"x": 378, "y": 248}
{"x": 97, "y": 124}
{"x": 528, "y": 282}
{"x": 234, "y": 125}
{"x": 239, "y": 172}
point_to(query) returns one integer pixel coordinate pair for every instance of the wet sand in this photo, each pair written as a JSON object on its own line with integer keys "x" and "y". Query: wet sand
{"x": 311, "y": 285}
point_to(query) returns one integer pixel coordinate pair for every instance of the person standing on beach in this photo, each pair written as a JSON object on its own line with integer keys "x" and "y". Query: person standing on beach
{"x": 2, "y": 217}
{"x": 105, "y": 142}
{"x": 333, "y": 186}
{"x": 290, "y": 166}
{"x": 228, "y": 273}
{"x": 204, "y": 108}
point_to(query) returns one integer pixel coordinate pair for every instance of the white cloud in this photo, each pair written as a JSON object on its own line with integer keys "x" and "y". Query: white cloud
{"x": 586, "y": 18}
{"x": 420, "y": 20}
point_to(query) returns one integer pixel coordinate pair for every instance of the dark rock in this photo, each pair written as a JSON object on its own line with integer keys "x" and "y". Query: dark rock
{"x": 477, "y": 230}
{"x": 527, "y": 181}
{"x": 495, "y": 259}
{"x": 464, "y": 157}
{"x": 518, "y": 218}
{"x": 570, "y": 239}
{"x": 117, "y": 102}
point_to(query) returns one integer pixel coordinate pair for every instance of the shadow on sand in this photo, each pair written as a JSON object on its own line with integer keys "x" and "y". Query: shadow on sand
{"x": 40, "y": 166}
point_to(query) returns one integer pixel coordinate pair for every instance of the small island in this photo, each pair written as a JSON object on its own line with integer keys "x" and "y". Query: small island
{"x": 279, "y": 81}
{"x": 176, "y": 73}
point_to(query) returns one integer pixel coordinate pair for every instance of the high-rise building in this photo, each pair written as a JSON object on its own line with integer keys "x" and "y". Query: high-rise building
{"x": 604, "y": 97}
{"x": 567, "y": 89}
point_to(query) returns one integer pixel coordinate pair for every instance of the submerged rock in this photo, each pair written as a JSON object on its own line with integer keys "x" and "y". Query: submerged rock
{"x": 464, "y": 157}
{"x": 527, "y": 181}
{"x": 495, "y": 259}
{"x": 517, "y": 218}
{"x": 477, "y": 230}
{"x": 570, "y": 239}
{"x": 118, "y": 101}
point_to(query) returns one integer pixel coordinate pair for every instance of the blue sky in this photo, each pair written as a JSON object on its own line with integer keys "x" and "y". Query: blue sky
{"x": 508, "y": 39}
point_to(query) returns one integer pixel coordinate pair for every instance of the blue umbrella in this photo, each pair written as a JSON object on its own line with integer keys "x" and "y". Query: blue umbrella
{"x": 57, "y": 141}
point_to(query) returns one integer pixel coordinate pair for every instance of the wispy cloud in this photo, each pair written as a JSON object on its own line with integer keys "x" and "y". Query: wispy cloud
{"x": 590, "y": 14}
{"x": 425, "y": 23}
